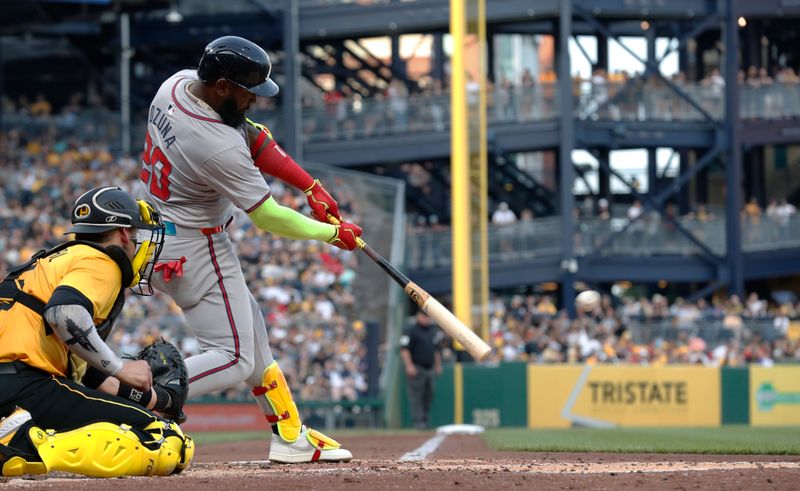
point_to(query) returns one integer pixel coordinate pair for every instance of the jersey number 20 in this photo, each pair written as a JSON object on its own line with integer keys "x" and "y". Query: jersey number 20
{"x": 158, "y": 178}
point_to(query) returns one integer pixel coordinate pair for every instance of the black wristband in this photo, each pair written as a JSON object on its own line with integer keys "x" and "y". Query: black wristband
{"x": 163, "y": 398}
{"x": 134, "y": 395}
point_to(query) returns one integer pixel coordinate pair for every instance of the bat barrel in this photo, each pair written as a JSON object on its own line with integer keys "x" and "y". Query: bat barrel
{"x": 474, "y": 345}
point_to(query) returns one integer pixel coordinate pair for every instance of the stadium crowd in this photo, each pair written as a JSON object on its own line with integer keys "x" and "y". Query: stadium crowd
{"x": 647, "y": 330}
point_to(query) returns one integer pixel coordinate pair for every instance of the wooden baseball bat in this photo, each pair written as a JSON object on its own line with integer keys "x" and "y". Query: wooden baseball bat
{"x": 473, "y": 344}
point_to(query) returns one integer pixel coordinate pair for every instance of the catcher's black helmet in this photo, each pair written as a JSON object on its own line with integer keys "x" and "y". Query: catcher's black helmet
{"x": 108, "y": 208}
{"x": 105, "y": 208}
{"x": 239, "y": 61}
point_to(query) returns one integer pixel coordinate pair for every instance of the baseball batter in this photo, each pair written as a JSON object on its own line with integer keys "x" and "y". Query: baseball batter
{"x": 202, "y": 158}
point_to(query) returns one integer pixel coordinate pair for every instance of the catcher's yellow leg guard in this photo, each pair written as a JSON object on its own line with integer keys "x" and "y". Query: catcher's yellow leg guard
{"x": 107, "y": 450}
{"x": 15, "y": 463}
{"x": 176, "y": 450}
{"x": 276, "y": 391}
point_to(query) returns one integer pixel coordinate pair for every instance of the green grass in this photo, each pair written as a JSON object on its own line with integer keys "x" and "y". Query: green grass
{"x": 211, "y": 437}
{"x": 723, "y": 440}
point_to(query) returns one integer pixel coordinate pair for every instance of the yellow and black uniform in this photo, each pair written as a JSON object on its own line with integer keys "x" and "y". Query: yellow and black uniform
{"x": 33, "y": 360}
{"x": 65, "y": 300}
{"x": 79, "y": 274}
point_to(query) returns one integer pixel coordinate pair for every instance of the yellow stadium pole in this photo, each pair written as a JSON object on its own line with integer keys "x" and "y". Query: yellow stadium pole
{"x": 479, "y": 168}
{"x": 458, "y": 393}
{"x": 459, "y": 171}
{"x": 469, "y": 172}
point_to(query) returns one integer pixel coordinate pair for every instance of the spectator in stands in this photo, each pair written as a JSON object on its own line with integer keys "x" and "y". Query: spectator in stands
{"x": 504, "y": 218}
{"x": 527, "y": 232}
{"x": 398, "y": 104}
{"x": 783, "y": 216}
{"x": 752, "y": 210}
{"x": 715, "y": 85}
{"x": 636, "y": 229}
{"x": 331, "y": 100}
{"x": 526, "y": 96}
{"x": 41, "y": 107}
{"x": 504, "y": 215}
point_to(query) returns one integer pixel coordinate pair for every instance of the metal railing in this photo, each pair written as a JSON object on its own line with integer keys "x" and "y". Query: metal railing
{"x": 653, "y": 101}
{"x": 355, "y": 118}
{"x": 649, "y": 236}
{"x": 713, "y": 331}
{"x": 205, "y": 7}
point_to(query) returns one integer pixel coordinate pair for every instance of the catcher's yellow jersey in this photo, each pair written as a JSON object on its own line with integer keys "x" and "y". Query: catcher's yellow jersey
{"x": 88, "y": 272}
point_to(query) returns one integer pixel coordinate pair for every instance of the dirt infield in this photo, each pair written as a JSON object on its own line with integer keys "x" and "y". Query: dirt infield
{"x": 462, "y": 462}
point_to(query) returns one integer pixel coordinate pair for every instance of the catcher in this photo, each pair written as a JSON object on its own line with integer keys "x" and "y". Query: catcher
{"x": 61, "y": 301}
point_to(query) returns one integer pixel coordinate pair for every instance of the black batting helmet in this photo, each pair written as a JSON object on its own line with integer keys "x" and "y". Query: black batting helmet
{"x": 239, "y": 61}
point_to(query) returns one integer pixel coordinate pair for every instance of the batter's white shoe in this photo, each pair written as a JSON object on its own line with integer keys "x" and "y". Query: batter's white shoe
{"x": 10, "y": 424}
{"x": 310, "y": 446}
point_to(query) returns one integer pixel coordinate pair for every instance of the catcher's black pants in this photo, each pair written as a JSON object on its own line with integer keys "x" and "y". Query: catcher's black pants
{"x": 60, "y": 404}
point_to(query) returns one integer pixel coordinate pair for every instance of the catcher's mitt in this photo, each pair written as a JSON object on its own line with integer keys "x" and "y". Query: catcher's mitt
{"x": 169, "y": 373}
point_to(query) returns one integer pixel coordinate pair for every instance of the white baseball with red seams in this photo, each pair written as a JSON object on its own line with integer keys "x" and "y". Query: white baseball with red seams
{"x": 587, "y": 300}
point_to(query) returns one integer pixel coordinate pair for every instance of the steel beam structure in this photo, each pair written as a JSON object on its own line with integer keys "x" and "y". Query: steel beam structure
{"x": 719, "y": 137}
{"x": 733, "y": 155}
{"x": 565, "y": 167}
{"x": 292, "y": 107}
{"x": 640, "y": 269}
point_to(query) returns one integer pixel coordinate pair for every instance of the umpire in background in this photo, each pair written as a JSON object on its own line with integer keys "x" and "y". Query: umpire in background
{"x": 419, "y": 348}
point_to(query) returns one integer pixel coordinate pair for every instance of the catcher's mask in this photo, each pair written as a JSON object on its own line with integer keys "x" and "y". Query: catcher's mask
{"x": 107, "y": 208}
{"x": 149, "y": 241}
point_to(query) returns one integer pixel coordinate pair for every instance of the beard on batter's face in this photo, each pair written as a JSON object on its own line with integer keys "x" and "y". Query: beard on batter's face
{"x": 230, "y": 112}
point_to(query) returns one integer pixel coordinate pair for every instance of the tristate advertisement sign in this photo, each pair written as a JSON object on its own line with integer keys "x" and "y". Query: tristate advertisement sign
{"x": 606, "y": 396}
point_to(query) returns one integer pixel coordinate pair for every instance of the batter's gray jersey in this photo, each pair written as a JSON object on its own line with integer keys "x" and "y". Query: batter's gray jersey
{"x": 195, "y": 167}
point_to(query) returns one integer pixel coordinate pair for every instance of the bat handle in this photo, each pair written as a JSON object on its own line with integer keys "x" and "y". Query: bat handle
{"x": 359, "y": 241}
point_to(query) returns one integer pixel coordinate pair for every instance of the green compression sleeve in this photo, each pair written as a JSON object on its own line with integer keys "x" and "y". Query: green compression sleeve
{"x": 280, "y": 220}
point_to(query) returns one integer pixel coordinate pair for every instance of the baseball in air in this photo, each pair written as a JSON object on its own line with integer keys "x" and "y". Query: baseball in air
{"x": 587, "y": 300}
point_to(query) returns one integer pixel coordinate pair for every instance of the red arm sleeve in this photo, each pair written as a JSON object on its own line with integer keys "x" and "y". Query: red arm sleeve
{"x": 271, "y": 159}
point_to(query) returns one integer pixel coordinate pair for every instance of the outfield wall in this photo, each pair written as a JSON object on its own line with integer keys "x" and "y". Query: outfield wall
{"x": 561, "y": 396}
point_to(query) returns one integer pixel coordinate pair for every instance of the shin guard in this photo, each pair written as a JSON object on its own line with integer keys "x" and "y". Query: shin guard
{"x": 14, "y": 462}
{"x": 277, "y": 394}
{"x": 176, "y": 450}
{"x": 106, "y": 450}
